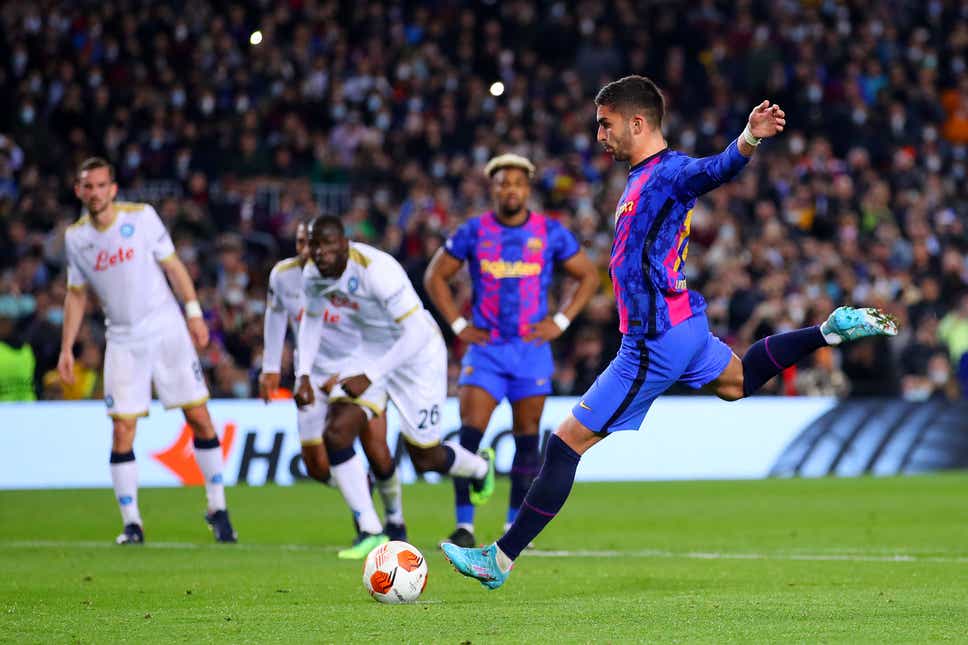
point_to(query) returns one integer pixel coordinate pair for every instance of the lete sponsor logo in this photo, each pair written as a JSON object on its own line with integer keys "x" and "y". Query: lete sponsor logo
{"x": 106, "y": 260}
{"x": 179, "y": 457}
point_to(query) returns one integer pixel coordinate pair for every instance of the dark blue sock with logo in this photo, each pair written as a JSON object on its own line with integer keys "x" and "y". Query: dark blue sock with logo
{"x": 470, "y": 438}
{"x": 773, "y": 354}
{"x": 545, "y": 499}
{"x": 524, "y": 468}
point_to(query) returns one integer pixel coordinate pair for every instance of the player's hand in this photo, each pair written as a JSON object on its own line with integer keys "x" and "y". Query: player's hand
{"x": 543, "y": 331}
{"x": 355, "y": 385}
{"x": 330, "y": 383}
{"x": 65, "y": 367}
{"x": 199, "y": 332}
{"x": 304, "y": 393}
{"x": 767, "y": 120}
{"x": 268, "y": 384}
{"x": 474, "y": 335}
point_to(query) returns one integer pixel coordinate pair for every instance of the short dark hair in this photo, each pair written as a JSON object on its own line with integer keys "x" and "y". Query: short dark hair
{"x": 92, "y": 163}
{"x": 635, "y": 93}
{"x": 327, "y": 222}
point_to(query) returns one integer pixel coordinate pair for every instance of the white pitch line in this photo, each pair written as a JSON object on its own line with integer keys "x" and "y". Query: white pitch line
{"x": 537, "y": 553}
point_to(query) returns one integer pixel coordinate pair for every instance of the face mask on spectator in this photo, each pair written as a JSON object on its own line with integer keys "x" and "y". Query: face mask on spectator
{"x": 27, "y": 114}
{"x": 178, "y": 97}
{"x": 207, "y": 105}
{"x": 240, "y": 389}
{"x": 55, "y": 316}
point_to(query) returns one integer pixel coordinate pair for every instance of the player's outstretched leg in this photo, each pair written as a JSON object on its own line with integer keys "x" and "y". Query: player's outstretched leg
{"x": 773, "y": 354}
{"x": 491, "y": 565}
{"x": 208, "y": 455}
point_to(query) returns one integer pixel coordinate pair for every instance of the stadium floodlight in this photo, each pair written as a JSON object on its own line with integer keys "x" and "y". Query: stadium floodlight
{"x": 255, "y": 38}
{"x": 497, "y": 88}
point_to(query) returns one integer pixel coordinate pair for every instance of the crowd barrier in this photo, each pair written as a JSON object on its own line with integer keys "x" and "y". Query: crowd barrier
{"x": 59, "y": 445}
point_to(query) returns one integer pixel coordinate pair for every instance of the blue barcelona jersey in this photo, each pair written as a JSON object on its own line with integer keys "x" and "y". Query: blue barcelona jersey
{"x": 511, "y": 269}
{"x": 652, "y": 237}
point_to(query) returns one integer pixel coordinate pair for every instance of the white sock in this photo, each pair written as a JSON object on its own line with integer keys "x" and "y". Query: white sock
{"x": 466, "y": 463}
{"x": 351, "y": 480}
{"x": 210, "y": 462}
{"x": 124, "y": 476}
{"x": 331, "y": 482}
{"x": 392, "y": 495}
{"x": 467, "y": 527}
{"x": 503, "y": 561}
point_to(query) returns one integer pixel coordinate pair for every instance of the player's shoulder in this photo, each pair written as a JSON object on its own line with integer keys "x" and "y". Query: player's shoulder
{"x": 288, "y": 264}
{"x": 369, "y": 257}
{"x": 83, "y": 222}
{"x": 287, "y": 267}
{"x": 133, "y": 208}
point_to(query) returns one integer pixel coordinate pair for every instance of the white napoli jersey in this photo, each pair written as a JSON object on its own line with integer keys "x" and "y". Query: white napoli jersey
{"x": 120, "y": 263}
{"x": 340, "y": 337}
{"x": 374, "y": 294}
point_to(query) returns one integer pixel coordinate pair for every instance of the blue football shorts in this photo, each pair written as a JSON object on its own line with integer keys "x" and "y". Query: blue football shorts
{"x": 512, "y": 369}
{"x": 644, "y": 368}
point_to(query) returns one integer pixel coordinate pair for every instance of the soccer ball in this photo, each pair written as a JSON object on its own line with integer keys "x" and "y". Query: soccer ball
{"x": 395, "y": 573}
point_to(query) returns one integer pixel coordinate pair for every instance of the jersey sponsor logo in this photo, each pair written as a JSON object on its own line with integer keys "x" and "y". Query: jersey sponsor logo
{"x": 680, "y": 284}
{"x": 515, "y": 269}
{"x": 625, "y": 208}
{"x": 340, "y": 299}
{"x": 127, "y": 230}
{"x": 330, "y": 317}
{"x": 106, "y": 260}
{"x": 535, "y": 244}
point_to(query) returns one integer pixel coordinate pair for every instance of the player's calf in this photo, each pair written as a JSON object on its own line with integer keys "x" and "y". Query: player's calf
{"x": 317, "y": 463}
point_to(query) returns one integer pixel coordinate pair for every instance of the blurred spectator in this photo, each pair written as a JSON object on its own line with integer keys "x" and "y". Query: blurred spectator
{"x": 16, "y": 356}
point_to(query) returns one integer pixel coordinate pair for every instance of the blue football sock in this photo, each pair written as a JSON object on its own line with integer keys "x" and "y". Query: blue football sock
{"x": 524, "y": 468}
{"x": 470, "y": 438}
{"x": 545, "y": 499}
{"x": 773, "y": 354}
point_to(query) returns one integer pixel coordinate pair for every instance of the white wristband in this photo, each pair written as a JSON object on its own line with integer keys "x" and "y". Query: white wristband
{"x": 749, "y": 138}
{"x": 458, "y": 325}
{"x": 561, "y": 320}
{"x": 193, "y": 309}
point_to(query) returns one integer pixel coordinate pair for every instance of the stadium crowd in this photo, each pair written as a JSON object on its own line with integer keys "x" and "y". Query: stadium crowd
{"x": 238, "y": 120}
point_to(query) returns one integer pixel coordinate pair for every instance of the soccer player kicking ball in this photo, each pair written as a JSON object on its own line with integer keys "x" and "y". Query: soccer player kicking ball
{"x": 665, "y": 336}
{"x": 339, "y": 338}
{"x": 511, "y": 254}
{"x": 401, "y": 355}
{"x": 124, "y": 253}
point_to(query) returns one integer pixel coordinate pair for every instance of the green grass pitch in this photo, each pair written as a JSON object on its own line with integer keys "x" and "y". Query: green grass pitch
{"x": 828, "y": 560}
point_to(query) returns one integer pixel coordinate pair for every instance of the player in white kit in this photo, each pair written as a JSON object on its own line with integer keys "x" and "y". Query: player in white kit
{"x": 123, "y": 252}
{"x": 339, "y": 339}
{"x": 402, "y": 354}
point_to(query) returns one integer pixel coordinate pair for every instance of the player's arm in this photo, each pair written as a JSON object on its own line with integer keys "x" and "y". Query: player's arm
{"x": 308, "y": 338}
{"x": 581, "y": 268}
{"x": 75, "y": 304}
{"x": 181, "y": 284}
{"x": 443, "y": 267}
{"x": 273, "y": 339}
{"x": 699, "y": 176}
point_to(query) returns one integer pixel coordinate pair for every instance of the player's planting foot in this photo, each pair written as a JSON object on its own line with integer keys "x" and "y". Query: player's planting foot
{"x": 133, "y": 534}
{"x": 222, "y": 527}
{"x": 479, "y": 563}
{"x": 362, "y": 545}
{"x": 461, "y": 537}
{"x": 396, "y": 531}
{"x": 482, "y": 489}
{"x": 849, "y": 323}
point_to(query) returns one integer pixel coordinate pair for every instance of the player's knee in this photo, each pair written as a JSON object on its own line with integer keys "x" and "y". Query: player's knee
{"x": 427, "y": 459}
{"x": 730, "y": 393}
{"x": 316, "y": 465}
{"x": 123, "y": 435}
{"x": 200, "y": 421}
